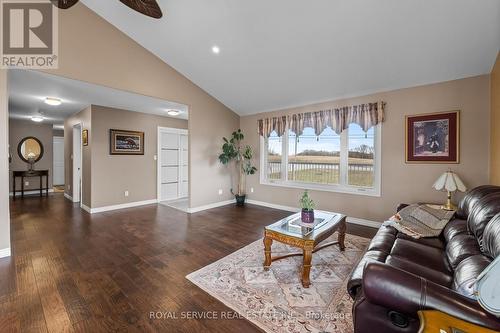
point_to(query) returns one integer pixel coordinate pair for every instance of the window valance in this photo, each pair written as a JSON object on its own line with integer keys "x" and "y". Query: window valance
{"x": 365, "y": 115}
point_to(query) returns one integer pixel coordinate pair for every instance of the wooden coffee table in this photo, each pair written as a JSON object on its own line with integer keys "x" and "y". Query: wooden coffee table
{"x": 290, "y": 232}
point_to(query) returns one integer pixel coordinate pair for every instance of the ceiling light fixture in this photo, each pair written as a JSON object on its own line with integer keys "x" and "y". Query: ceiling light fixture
{"x": 53, "y": 101}
{"x": 173, "y": 112}
{"x": 37, "y": 119}
{"x": 215, "y": 49}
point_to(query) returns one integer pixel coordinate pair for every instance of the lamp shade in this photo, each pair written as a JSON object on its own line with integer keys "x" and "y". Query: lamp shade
{"x": 449, "y": 181}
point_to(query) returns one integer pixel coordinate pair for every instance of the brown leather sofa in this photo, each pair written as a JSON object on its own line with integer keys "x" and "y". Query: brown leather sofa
{"x": 399, "y": 275}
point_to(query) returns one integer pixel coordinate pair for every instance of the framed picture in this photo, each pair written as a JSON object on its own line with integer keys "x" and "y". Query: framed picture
{"x": 85, "y": 137}
{"x": 123, "y": 142}
{"x": 433, "y": 138}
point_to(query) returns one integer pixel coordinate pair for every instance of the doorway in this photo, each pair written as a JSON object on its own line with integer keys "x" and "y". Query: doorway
{"x": 173, "y": 168}
{"x": 77, "y": 163}
{"x": 58, "y": 161}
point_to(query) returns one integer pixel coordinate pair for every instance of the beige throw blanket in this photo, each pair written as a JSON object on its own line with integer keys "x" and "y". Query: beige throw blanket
{"x": 421, "y": 220}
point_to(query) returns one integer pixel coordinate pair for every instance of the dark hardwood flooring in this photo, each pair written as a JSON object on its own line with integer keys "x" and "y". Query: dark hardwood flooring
{"x": 73, "y": 272}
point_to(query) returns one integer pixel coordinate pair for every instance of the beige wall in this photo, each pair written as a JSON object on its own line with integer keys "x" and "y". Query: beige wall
{"x": 400, "y": 182}
{"x": 19, "y": 129}
{"x": 4, "y": 164}
{"x": 495, "y": 124}
{"x": 112, "y": 175}
{"x": 84, "y": 118}
{"x": 92, "y": 50}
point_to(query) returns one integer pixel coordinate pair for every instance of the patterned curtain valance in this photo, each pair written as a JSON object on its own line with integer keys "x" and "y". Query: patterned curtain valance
{"x": 365, "y": 115}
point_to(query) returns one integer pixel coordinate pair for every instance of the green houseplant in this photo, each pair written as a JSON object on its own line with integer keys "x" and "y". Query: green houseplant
{"x": 307, "y": 205}
{"x": 234, "y": 151}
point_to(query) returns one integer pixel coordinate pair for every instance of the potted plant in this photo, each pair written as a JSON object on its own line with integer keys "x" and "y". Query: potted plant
{"x": 307, "y": 204}
{"x": 233, "y": 150}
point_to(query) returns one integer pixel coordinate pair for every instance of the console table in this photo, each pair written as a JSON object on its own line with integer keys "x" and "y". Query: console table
{"x": 27, "y": 174}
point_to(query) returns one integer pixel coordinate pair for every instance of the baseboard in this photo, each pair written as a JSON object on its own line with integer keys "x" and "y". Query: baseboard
{"x": 122, "y": 206}
{"x": 67, "y": 196}
{"x": 353, "y": 220}
{"x": 30, "y": 192}
{"x": 86, "y": 208}
{"x": 5, "y": 253}
{"x": 210, "y": 206}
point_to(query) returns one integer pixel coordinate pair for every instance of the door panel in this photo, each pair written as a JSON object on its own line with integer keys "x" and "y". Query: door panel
{"x": 58, "y": 161}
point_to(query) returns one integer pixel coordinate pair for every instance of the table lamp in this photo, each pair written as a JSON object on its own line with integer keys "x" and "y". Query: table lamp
{"x": 450, "y": 182}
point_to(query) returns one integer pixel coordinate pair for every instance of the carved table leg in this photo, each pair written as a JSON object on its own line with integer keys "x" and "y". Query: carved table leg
{"x": 267, "y": 252}
{"x": 306, "y": 267}
{"x": 341, "y": 239}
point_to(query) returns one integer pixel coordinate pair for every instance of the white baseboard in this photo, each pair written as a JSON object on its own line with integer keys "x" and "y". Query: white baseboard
{"x": 352, "y": 220}
{"x": 210, "y": 206}
{"x": 18, "y": 193}
{"x": 86, "y": 208}
{"x": 122, "y": 206}
{"x": 5, "y": 253}
{"x": 67, "y": 196}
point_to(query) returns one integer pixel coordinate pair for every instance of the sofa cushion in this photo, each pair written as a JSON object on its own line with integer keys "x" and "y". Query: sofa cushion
{"x": 422, "y": 255}
{"x": 460, "y": 247}
{"x": 491, "y": 237}
{"x": 436, "y": 242}
{"x": 467, "y": 272}
{"x": 442, "y": 278}
{"x": 455, "y": 227}
{"x": 383, "y": 240}
{"x": 472, "y": 197}
{"x": 484, "y": 210}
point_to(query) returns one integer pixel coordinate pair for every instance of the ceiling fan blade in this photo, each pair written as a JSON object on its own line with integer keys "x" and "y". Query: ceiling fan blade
{"x": 146, "y": 7}
{"x": 64, "y": 4}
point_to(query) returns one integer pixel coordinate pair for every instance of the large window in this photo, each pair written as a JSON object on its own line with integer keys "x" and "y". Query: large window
{"x": 348, "y": 162}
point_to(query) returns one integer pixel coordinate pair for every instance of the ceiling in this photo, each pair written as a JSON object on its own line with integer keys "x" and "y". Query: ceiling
{"x": 28, "y": 90}
{"x": 282, "y": 53}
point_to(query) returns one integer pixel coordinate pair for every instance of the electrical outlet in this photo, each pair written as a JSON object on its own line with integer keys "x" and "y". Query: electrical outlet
{"x": 69, "y": 187}
{"x": 251, "y": 189}
{"x": 126, "y": 193}
{"x": 220, "y": 191}
{"x": 155, "y": 157}
{"x": 26, "y": 183}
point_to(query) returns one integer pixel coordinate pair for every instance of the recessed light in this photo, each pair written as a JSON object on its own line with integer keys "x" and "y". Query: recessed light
{"x": 53, "y": 101}
{"x": 173, "y": 112}
{"x": 215, "y": 49}
{"x": 37, "y": 119}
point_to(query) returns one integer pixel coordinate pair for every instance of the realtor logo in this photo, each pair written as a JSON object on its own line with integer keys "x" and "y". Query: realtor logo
{"x": 29, "y": 36}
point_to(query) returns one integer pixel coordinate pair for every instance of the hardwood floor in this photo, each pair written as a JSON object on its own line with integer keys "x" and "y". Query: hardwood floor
{"x": 73, "y": 272}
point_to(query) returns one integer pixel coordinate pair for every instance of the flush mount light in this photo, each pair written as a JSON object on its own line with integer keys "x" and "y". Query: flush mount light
{"x": 53, "y": 101}
{"x": 215, "y": 49}
{"x": 37, "y": 119}
{"x": 173, "y": 112}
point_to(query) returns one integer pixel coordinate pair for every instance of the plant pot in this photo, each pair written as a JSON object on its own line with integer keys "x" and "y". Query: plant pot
{"x": 307, "y": 216}
{"x": 240, "y": 200}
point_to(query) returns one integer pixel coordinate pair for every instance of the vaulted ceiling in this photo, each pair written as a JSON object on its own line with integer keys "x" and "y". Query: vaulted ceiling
{"x": 281, "y": 53}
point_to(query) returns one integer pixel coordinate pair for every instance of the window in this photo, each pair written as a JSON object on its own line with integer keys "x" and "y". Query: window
{"x": 348, "y": 162}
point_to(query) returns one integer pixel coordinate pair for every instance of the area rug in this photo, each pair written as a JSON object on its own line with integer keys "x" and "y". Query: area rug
{"x": 275, "y": 300}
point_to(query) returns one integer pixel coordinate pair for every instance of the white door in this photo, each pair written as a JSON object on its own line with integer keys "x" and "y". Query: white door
{"x": 58, "y": 161}
{"x": 172, "y": 164}
{"x": 77, "y": 162}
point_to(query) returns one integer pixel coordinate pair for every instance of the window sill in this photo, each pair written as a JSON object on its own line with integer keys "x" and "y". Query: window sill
{"x": 372, "y": 192}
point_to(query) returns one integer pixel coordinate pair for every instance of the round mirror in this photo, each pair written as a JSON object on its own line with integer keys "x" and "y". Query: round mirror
{"x": 30, "y": 149}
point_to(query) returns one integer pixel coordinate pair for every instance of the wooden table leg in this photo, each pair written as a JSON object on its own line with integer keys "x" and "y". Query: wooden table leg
{"x": 47, "y": 184}
{"x": 41, "y": 186}
{"x": 341, "y": 239}
{"x": 306, "y": 267}
{"x": 268, "y": 242}
{"x": 22, "y": 187}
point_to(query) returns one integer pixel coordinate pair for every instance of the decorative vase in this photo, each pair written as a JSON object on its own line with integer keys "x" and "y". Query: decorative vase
{"x": 307, "y": 216}
{"x": 240, "y": 200}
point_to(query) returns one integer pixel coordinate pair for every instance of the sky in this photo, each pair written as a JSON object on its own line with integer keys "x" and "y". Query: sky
{"x": 328, "y": 140}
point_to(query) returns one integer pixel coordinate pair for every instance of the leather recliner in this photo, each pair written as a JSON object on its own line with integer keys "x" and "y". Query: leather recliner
{"x": 400, "y": 275}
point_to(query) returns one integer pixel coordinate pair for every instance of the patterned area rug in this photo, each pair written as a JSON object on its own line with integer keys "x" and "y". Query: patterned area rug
{"x": 275, "y": 300}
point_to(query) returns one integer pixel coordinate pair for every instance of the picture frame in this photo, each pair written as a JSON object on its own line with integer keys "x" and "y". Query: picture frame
{"x": 126, "y": 142}
{"x": 85, "y": 137}
{"x": 433, "y": 138}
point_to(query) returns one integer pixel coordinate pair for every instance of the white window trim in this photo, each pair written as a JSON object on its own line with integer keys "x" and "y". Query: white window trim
{"x": 375, "y": 191}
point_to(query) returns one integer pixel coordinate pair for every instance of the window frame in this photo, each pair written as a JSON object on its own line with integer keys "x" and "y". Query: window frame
{"x": 343, "y": 186}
